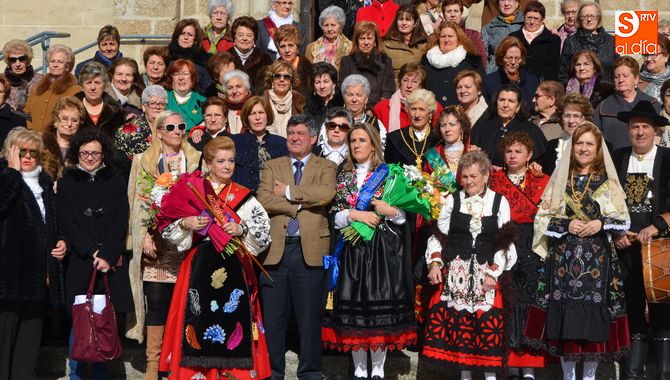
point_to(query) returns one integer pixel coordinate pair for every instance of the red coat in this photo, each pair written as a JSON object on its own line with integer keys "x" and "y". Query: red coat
{"x": 223, "y": 45}
{"x": 383, "y": 108}
{"x": 381, "y": 14}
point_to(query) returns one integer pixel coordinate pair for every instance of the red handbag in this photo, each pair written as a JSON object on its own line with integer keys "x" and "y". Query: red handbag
{"x": 94, "y": 336}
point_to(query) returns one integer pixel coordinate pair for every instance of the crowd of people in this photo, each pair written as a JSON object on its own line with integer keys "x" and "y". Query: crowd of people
{"x": 217, "y": 189}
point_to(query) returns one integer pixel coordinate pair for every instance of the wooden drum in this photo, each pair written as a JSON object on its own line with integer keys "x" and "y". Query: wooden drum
{"x": 656, "y": 270}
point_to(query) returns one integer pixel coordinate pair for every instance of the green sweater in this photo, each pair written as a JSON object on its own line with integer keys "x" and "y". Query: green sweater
{"x": 191, "y": 110}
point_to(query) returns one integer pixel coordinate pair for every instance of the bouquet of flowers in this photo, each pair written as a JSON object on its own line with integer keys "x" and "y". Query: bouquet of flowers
{"x": 406, "y": 188}
{"x": 152, "y": 191}
{"x": 444, "y": 180}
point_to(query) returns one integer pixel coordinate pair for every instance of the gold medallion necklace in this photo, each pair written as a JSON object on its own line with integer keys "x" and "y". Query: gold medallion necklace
{"x": 575, "y": 194}
{"x": 413, "y": 147}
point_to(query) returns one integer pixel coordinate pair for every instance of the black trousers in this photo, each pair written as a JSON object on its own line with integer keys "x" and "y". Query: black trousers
{"x": 20, "y": 334}
{"x": 297, "y": 285}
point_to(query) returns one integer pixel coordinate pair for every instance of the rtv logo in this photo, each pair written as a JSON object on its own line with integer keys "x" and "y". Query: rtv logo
{"x": 636, "y": 32}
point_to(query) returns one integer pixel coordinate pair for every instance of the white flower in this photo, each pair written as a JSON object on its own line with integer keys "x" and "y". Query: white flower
{"x": 157, "y": 194}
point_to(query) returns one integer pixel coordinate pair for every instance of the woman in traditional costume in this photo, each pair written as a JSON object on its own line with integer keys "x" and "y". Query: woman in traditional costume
{"x": 470, "y": 249}
{"x": 580, "y": 312}
{"x": 522, "y": 187}
{"x": 214, "y": 328}
{"x": 373, "y": 295}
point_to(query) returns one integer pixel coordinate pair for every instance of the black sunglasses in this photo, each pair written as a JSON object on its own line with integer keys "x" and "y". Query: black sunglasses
{"x": 34, "y": 153}
{"x": 22, "y": 58}
{"x": 171, "y": 127}
{"x": 331, "y": 125}
{"x": 282, "y": 76}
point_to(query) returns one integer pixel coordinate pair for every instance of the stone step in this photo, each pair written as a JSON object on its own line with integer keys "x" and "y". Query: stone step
{"x": 404, "y": 365}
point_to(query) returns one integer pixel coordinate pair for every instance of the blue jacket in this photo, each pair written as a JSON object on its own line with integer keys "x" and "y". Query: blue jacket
{"x": 247, "y": 164}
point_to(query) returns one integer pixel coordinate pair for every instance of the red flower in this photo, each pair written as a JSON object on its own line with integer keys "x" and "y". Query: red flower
{"x": 150, "y": 138}
{"x": 129, "y": 128}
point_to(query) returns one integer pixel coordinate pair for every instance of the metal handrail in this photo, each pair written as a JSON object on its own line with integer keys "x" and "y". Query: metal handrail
{"x": 44, "y": 40}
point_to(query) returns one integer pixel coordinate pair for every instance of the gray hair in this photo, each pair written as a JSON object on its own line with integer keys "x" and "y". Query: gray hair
{"x": 92, "y": 70}
{"x": 472, "y": 158}
{"x": 422, "y": 95}
{"x": 58, "y": 48}
{"x": 340, "y": 112}
{"x": 212, "y": 4}
{"x": 335, "y": 12}
{"x": 665, "y": 23}
{"x": 153, "y": 90}
{"x": 564, "y": 4}
{"x": 356, "y": 80}
{"x": 235, "y": 74}
{"x": 301, "y": 118}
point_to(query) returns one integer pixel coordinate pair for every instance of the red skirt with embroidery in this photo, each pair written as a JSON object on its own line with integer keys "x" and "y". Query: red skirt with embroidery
{"x": 464, "y": 339}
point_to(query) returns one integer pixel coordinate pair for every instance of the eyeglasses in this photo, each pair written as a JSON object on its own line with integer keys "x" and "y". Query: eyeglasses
{"x": 282, "y": 76}
{"x": 34, "y": 153}
{"x": 83, "y": 154}
{"x": 21, "y": 59}
{"x": 331, "y": 125}
{"x": 159, "y": 105}
{"x": 654, "y": 55}
{"x": 171, "y": 127}
{"x": 587, "y": 17}
{"x": 67, "y": 120}
{"x": 573, "y": 116}
{"x": 181, "y": 74}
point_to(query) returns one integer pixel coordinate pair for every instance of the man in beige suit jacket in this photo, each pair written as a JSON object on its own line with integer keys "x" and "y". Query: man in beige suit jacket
{"x": 296, "y": 192}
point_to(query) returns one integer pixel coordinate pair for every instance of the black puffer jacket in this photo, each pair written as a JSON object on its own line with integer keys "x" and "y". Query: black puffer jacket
{"x": 600, "y": 43}
{"x": 26, "y": 241}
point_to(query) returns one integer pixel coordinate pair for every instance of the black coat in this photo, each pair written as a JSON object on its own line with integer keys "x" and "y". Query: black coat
{"x": 317, "y": 109}
{"x": 487, "y": 135}
{"x": 256, "y": 61}
{"x": 8, "y": 120}
{"x": 93, "y": 212}
{"x": 111, "y": 118}
{"x": 377, "y": 69}
{"x": 397, "y": 152}
{"x": 26, "y": 241}
{"x": 543, "y": 56}
{"x": 528, "y": 84}
{"x": 247, "y": 166}
{"x": 441, "y": 81}
{"x": 196, "y": 55}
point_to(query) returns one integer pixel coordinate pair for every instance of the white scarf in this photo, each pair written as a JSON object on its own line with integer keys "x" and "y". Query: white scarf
{"x": 281, "y": 108}
{"x": 243, "y": 56}
{"x": 278, "y": 21}
{"x": 442, "y": 60}
{"x": 182, "y": 99}
{"x": 530, "y": 36}
{"x": 119, "y": 96}
{"x": 32, "y": 179}
{"x": 395, "y": 105}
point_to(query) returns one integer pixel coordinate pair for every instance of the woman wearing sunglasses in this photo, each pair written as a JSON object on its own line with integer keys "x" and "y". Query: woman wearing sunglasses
{"x": 19, "y": 71}
{"x": 334, "y": 146}
{"x": 280, "y": 84}
{"x": 30, "y": 250}
{"x": 155, "y": 262}
{"x": 93, "y": 217}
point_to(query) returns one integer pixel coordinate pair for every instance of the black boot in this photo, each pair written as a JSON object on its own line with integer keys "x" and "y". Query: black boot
{"x": 632, "y": 366}
{"x": 662, "y": 358}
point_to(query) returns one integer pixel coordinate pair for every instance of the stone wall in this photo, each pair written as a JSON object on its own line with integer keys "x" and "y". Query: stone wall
{"x": 83, "y": 18}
